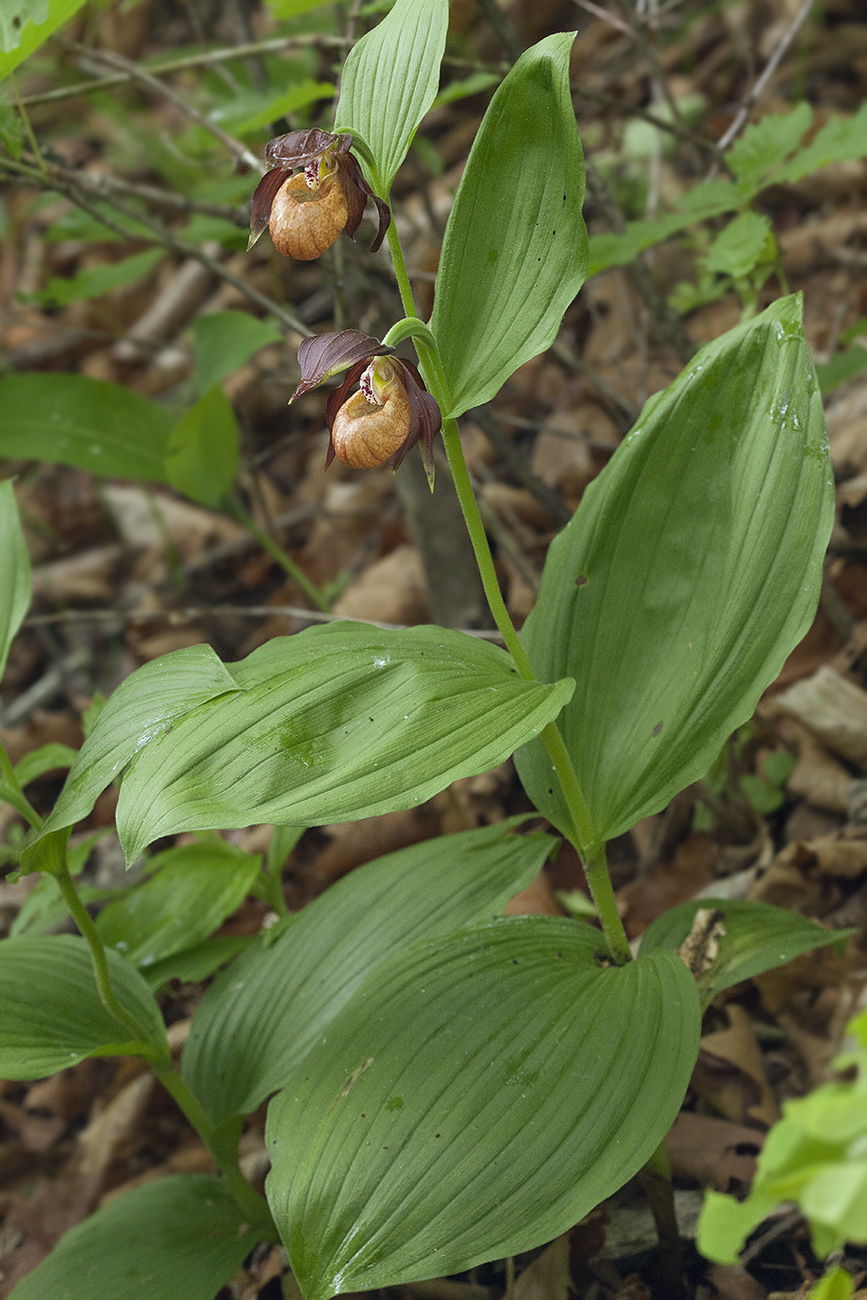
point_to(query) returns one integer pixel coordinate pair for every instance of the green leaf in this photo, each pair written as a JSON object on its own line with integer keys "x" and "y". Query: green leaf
{"x": 476, "y": 1096}
{"x": 383, "y": 108}
{"x": 178, "y": 1238}
{"x": 249, "y": 112}
{"x": 837, "y": 1198}
{"x": 515, "y": 249}
{"x": 336, "y": 723}
{"x": 15, "y": 16}
{"x": 11, "y": 132}
{"x": 148, "y": 702}
{"x": 14, "y": 571}
{"x": 463, "y": 87}
{"x": 765, "y": 145}
{"x": 86, "y": 423}
{"x": 840, "y": 368}
{"x": 203, "y": 450}
{"x": 726, "y": 1223}
{"x": 191, "y": 892}
{"x": 738, "y": 247}
{"x": 224, "y": 341}
{"x": 51, "y": 1011}
{"x": 44, "y": 908}
{"x": 840, "y": 140}
{"x": 688, "y": 573}
{"x": 283, "y": 9}
{"x": 25, "y": 24}
{"x": 95, "y": 281}
{"x": 260, "y": 1018}
{"x": 47, "y": 758}
{"x": 195, "y": 964}
{"x": 757, "y": 938}
{"x": 836, "y": 1284}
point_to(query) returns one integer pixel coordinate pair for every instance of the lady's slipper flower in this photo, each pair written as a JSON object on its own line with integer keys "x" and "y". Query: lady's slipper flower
{"x": 391, "y": 411}
{"x": 305, "y": 212}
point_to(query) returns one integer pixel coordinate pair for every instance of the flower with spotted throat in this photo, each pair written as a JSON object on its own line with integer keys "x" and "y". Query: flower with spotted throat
{"x": 306, "y": 210}
{"x": 391, "y": 411}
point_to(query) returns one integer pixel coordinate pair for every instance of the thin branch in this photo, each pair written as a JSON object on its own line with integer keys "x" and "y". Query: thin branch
{"x": 760, "y": 85}
{"x": 503, "y": 28}
{"x": 193, "y": 613}
{"x": 203, "y": 60}
{"x": 677, "y": 129}
{"x": 60, "y": 179}
{"x": 103, "y": 184}
{"x": 236, "y": 148}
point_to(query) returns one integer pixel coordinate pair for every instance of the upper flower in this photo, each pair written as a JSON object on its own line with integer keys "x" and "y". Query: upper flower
{"x": 391, "y": 411}
{"x": 305, "y": 212}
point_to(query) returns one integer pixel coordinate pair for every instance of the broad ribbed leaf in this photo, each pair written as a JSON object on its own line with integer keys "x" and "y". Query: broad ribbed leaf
{"x": 225, "y": 340}
{"x": 688, "y": 573}
{"x": 757, "y": 938}
{"x": 202, "y": 455}
{"x": 179, "y": 1238}
{"x": 192, "y": 890}
{"x": 14, "y": 571}
{"x": 475, "y": 1097}
{"x": 147, "y": 703}
{"x": 51, "y": 1012}
{"x": 260, "y": 1018}
{"x": 336, "y": 723}
{"x": 87, "y": 423}
{"x": 390, "y": 80}
{"x": 515, "y": 249}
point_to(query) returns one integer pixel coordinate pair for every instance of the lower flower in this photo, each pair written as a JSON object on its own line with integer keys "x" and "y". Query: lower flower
{"x": 389, "y": 413}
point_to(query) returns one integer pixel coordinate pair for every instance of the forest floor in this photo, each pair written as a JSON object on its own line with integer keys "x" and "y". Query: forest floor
{"x": 124, "y": 572}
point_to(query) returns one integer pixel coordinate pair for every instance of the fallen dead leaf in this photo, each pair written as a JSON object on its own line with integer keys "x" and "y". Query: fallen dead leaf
{"x": 833, "y": 709}
{"x": 714, "y": 1152}
{"x": 730, "y": 1073}
{"x": 548, "y": 1277}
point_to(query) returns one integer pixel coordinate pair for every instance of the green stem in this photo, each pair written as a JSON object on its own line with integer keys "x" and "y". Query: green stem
{"x": 400, "y": 272}
{"x": 602, "y": 892}
{"x": 222, "y": 1144}
{"x": 216, "y": 1138}
{"x": 584, "y": 836}
{"x": 287, "y": 564}
{"x": 99, "y": 960}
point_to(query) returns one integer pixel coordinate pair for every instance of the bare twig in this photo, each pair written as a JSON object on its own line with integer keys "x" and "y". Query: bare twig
{"x": 677, "y": 129}
{"x": 503, "y": 27}
{"x": 104, "y": 184}
{"x": 206, "y": 59}
{"x": 760, "y": 85}
{"x": 236, "y": 148}
{"x": 191, "y": 613}
{"x": 60, "y": 179}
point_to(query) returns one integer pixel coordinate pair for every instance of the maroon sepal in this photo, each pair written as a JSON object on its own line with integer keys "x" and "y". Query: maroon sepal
{"x": 263, "y": 200}
{"x": 426, "y": 419}
{"x": 350, "y": 170}
{"x": 298, "y": 148}
{"x": 324, "y": 355}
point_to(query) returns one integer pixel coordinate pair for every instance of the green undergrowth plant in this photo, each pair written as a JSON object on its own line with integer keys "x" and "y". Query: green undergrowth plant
{"x": 815, "y": 1156}
{"x": 445, "y": 1085}
{"x": 742, "y": 252}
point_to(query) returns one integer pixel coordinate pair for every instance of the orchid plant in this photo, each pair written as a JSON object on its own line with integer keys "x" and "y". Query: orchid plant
{"x": 447, "y": 1085}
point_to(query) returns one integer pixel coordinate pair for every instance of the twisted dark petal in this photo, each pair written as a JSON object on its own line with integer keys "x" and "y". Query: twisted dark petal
{"x": 356, "y": 199}
{"x": 351, "y": 171}
{"x": 262, "y": 201}
{"x": 300, "y": 147}
{"x": 426, "y": 420}
{"x": 326, "y": 354}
